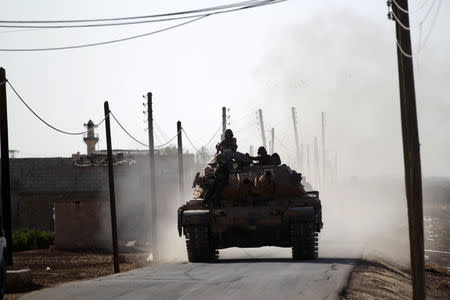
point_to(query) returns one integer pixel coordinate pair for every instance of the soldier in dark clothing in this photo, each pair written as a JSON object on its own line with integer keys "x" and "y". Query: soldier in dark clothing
{"x": 263, "y": 158}
{"x": 228, "y": 144}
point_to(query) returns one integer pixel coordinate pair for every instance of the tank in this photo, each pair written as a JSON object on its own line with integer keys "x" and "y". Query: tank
{"x": 236, "y": 204}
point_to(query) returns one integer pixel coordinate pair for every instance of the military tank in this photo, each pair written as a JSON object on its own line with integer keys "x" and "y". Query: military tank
{"x": 237, "y": 204}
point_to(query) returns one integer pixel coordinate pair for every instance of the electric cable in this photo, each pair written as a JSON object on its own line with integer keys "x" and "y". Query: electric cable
{"x": 431, "y": 27}
{"x": 138, "y": 17}
{"x": 403, "y": 51}
{"x": 3, "y": 82}
{"x": 263, "y": 3}
{"x": 190, "y": 142}
{"x": 101, "y": 43}
{"x": 400, "y": 8}
{"x": 135, "y": 139}
{"x": 399, "y": 22}
{"x": 135, "y": 22}
{"x": 42, "y": 120}
{"x": 214, "y": 135}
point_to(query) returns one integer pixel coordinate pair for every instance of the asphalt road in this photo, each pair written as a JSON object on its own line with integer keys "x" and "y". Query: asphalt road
{"x": 265, "y": 273}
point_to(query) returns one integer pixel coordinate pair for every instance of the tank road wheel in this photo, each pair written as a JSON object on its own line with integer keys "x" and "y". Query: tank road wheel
{"x": 305, "y": 245}
{"x": 199, "y": 247}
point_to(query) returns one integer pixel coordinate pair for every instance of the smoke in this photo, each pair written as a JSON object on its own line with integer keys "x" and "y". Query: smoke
{"x": 346, "y": 66}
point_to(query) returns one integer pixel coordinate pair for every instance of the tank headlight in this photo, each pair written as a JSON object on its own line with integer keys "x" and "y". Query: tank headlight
{"x": 235, "y": 166}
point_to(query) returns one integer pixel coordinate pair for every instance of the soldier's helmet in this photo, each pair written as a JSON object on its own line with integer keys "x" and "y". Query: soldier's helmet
{"x": 229, "y": 132}
{"x": 262, "y": 150}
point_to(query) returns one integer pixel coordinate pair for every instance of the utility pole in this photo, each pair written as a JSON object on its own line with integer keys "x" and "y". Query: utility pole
{"x": 307, "y": 160}
{"x": 251, "y": 150}
{"x": 411, "y": 146}
{"x": 324, "y": 161}
{"x": 224, "y": 121}
{"x": 6, "y": 184}
{"x": 151, "y": 152}
{"x": 180, "y": 161}
{"x": 316, "y": 162}
{"x": 272, "y": 146}
{"x": 112, "y": 193}
{"x": 297, "y": 146}
{"x": 263, "y": 132}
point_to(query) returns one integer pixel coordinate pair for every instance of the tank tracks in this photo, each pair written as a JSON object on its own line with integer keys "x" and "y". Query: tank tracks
{"x": 198, "y": 245}
{"x": 305, "y": 244}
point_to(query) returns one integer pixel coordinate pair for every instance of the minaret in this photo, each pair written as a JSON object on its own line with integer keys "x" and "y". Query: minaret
{"x": 90, "y": 139}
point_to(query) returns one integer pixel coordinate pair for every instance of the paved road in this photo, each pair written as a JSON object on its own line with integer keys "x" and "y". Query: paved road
{"x": 266, "y": 273}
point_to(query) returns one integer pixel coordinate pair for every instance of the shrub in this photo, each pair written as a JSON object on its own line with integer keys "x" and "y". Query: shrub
{"x": 23, "y": 239}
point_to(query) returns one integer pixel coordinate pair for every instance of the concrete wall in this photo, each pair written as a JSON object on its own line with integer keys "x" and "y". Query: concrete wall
{"x": 36, "y": 183}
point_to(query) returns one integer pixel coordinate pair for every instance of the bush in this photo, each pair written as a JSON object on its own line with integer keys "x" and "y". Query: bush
{"x": 23, "y": 239}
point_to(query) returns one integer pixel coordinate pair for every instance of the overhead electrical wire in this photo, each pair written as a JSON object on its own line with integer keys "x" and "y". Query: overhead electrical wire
{"x": 251, "y": 4}
{"x": 100, "y": 43}
{"x": 189, "y": 16}
{"x": 202, "y": 10}
{"x": 190, "y": 142}
{"x": 135, "y": 139}
{"x": 431, "y": 26}
{"x": 42, "y": 120}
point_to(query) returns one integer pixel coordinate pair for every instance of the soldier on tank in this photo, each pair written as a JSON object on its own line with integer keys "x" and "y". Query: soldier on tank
{"x": 263, "y": 158}
{"x": 228, "y": 144}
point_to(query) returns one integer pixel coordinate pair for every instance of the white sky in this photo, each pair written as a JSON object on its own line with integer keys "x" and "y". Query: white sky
{"x": 333, "y": 56}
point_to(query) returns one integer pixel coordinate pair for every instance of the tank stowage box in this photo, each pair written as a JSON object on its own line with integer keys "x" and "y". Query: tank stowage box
{"x": 239, "y": 205}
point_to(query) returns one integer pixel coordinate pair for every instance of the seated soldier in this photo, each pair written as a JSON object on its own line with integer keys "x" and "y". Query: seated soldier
{"x": 229, "y": 143}
{"x": 263, "y": 158}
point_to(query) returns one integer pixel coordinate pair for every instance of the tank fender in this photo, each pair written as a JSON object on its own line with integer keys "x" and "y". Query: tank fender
{"x": 195, "y": 217}
{"x": 300, "y": 214}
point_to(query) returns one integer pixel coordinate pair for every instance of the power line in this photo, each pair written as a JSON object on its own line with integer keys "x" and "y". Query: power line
{"x": 432, "y": 25}
{"x": 214, "y": 8}
{"x": 135, "y": 139}
{"x": 214, "y": 135}
{"x": 42, "y": 120}
{"x": 260, "y": 3}
{"x": 135, "y": 22}
{"x": 102, "y": 43}
{"x": 190, "y": 142}
{"x": 403, "y": 51}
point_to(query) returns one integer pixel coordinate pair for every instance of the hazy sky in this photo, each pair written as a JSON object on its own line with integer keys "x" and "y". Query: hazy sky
{"x": 333, "y": 56}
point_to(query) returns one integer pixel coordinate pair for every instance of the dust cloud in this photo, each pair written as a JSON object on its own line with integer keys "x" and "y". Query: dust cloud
{"x": 345, "y": 66}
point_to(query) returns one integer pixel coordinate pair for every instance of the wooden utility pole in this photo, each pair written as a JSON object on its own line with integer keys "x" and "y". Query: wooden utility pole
{"x": 272, "y": 146}
{"x": 6, "y": 184}
{"x": 316, "y": 162}
{"x": 324, "y": 161}
{"x": 151, "y": 151}
{"x": 307, "y": 161}
{"x": 180, "y": 161}
{"x": 263, "y": 132}
{"x": 224, "y": 121}
{"x": 297, "y": 145}
{"x": 411, "y": 146}
{"x": 112, "y": 192}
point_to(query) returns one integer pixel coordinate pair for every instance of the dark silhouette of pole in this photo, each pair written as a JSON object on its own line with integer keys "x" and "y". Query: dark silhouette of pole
{"x": 151, "y": 151}
{"x": 272, "y": 146}
{"x": 316, "y": 162}
{"x": 224, "y": 121}
{"x": 180, "y": 161}
{"x": 297, "y": 145}
{"x": 411, "y": 149}
{"x": 263, "y": 132}
{"x": 6, "y": 184}
{"x": 324, "y": 161}
{"x": 112, "y": 192}
{"x": 307, "y": 160}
